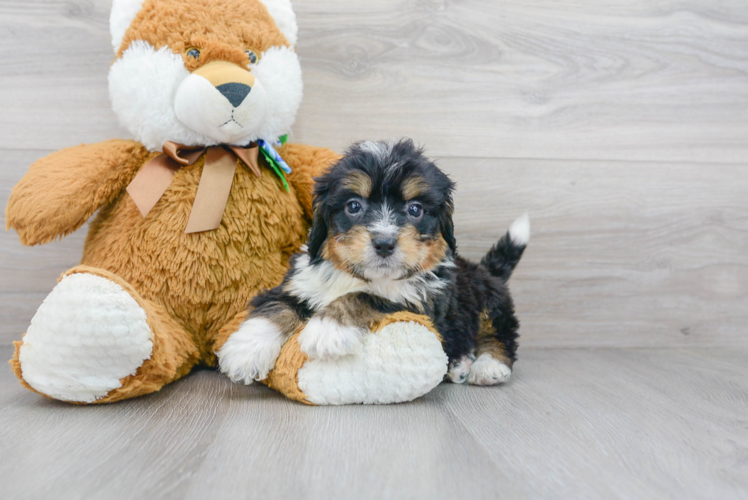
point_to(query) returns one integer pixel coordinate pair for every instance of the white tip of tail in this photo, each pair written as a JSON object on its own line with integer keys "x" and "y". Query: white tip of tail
{"x": 519, "y": 231}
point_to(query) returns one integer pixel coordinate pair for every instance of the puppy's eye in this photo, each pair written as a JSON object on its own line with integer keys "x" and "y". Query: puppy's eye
{"x": 415, "y": 210}
{"x": 353, "y": 208}
{"x": 252, "y": 56}
{"x": 193, "y": 52}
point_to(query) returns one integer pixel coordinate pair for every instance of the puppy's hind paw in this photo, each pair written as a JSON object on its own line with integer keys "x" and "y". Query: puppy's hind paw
{"x": 488, "y": 371}
{"x": 325, "y": 338}
{"x": 250, "y": 353}
{"x": 459, "y": 369}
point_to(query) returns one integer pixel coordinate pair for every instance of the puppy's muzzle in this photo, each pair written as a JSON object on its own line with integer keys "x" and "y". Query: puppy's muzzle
{"x": 384, "y": 246}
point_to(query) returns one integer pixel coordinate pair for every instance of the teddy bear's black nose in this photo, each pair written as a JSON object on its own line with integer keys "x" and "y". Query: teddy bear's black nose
{"x": 234, "y": 92}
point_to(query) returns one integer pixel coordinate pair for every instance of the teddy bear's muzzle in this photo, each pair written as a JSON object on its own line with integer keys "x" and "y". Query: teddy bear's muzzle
{"x": 222, "y": 101}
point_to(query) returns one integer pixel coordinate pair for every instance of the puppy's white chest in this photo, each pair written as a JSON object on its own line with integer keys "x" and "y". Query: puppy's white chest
{"x": 322, "y": 283}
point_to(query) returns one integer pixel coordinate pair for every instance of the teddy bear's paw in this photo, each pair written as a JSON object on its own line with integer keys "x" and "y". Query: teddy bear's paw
{"x": 459, "y": 369}
{"x": 488, "y": 371}
{"x": 398, "y": 362}
{"x": 88, "y": 334}
{"x": 250, "y": 353}
{"x": 325, "y": 338}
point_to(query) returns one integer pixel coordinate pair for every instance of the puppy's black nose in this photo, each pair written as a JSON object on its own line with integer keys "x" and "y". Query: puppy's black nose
{"x": 234, "y": 92}
{"x": 384, "y": 246}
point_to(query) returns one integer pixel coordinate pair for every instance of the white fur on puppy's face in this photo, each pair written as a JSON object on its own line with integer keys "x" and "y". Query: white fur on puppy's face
{"x": 158, "y": 100}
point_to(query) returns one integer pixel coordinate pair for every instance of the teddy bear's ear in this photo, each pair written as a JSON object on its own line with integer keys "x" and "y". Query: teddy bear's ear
{"x": 123, "y": 12}
{"x": 284, "y": 17}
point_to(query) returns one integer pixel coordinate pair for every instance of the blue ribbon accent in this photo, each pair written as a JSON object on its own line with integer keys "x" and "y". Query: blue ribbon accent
{"x": 272, "y": 153}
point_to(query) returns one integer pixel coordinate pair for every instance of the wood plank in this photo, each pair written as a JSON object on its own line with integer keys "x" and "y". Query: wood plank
{"x": 623, "y": 254}
{"x": 572, "y": 423}
{"x": 27, "y": 274}
{"x": 616, "y": 423}
{"x": 664, "y": 80}
{"x": 416, "y": 450}
{"x": 150, "y": 444}
{"x": 54, "y": 90}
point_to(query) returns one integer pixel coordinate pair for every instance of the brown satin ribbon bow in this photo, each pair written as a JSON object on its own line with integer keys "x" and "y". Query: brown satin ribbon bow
{"x": 150, "y": 184}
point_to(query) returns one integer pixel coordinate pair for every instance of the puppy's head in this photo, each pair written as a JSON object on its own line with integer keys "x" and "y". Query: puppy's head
{"x": 383, "y": 211}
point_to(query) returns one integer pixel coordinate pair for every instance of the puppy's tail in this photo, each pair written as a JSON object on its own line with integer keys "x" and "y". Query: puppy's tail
{"x": 504, "y": 255}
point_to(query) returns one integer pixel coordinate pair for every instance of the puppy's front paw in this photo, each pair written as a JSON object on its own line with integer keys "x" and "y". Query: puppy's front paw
{"x": 488, "y": 371}
{"x": 324, "y": 338}
{"x": 250, "y": 353}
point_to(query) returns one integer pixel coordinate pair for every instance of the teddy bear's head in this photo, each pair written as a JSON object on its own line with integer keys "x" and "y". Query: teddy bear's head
{"x": 204, "y": 72}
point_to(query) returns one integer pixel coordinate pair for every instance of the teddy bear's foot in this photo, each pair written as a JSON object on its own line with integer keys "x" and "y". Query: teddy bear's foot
{"x": 87, "y": 335}
{"x": 399, "y": 360}
{"x": 88, "y": 339}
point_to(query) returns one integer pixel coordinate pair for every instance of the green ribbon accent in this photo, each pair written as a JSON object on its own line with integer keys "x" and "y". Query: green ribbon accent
{"x": 271, "y": 161}
{"x": 283, "y": 139}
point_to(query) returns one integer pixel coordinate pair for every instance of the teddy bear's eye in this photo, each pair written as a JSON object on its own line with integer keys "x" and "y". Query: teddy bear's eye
{"x": 193, "y": 52}
{"x": 252, "y": 56}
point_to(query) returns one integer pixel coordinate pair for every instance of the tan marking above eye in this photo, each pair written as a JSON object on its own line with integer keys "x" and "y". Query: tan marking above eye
{"x": 358, "y": 182}
{"x": 413, "y": 187}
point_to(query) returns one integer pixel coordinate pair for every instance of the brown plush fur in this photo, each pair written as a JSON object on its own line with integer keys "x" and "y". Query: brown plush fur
{"x": 39, "y": 207}
{"x": 191, "y": 285}
{"x": 219, "y": 31}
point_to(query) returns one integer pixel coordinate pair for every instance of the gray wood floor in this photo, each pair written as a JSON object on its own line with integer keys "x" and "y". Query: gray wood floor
{"x": 622, "y": 127}
{"x": 573, "y": 423}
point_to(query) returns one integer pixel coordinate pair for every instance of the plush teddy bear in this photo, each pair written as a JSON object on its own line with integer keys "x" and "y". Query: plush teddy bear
{"x": 195, "y": 216}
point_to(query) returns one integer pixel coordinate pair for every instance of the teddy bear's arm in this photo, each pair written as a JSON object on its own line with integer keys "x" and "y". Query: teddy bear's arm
{"x": 306, "y": 162}
{"x": 61, "y": 191}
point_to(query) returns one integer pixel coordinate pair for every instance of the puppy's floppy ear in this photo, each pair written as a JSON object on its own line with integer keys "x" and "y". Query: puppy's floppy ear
{"x": 446, "y": 225}
{"x": 320, "y": 230}
{"x": 317, "y": 236}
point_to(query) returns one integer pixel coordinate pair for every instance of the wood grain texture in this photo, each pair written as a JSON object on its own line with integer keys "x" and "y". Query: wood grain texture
{"x": 662, "y": 80}
{"x": 622, "y": 254}
{"x": 572, "y": 423}
{"x": 612, "y": 79}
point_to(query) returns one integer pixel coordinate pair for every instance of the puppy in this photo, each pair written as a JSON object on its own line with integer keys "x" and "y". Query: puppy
{"x": 383, "y": 241}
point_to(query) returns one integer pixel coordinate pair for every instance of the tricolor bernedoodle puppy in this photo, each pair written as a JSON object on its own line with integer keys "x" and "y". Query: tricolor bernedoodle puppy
{"x": 382, "y": 241}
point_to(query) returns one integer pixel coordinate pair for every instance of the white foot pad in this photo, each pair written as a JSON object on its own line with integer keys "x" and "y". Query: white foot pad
{"x": 87, "y": 335}
{"x": 488, "y": 371}
{"x": 250, "y": 353}
{"x": 400, "y": 362}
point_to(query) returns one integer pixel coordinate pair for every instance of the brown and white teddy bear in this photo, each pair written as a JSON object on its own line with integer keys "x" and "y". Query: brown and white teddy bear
{"x": 193, "y": 217}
